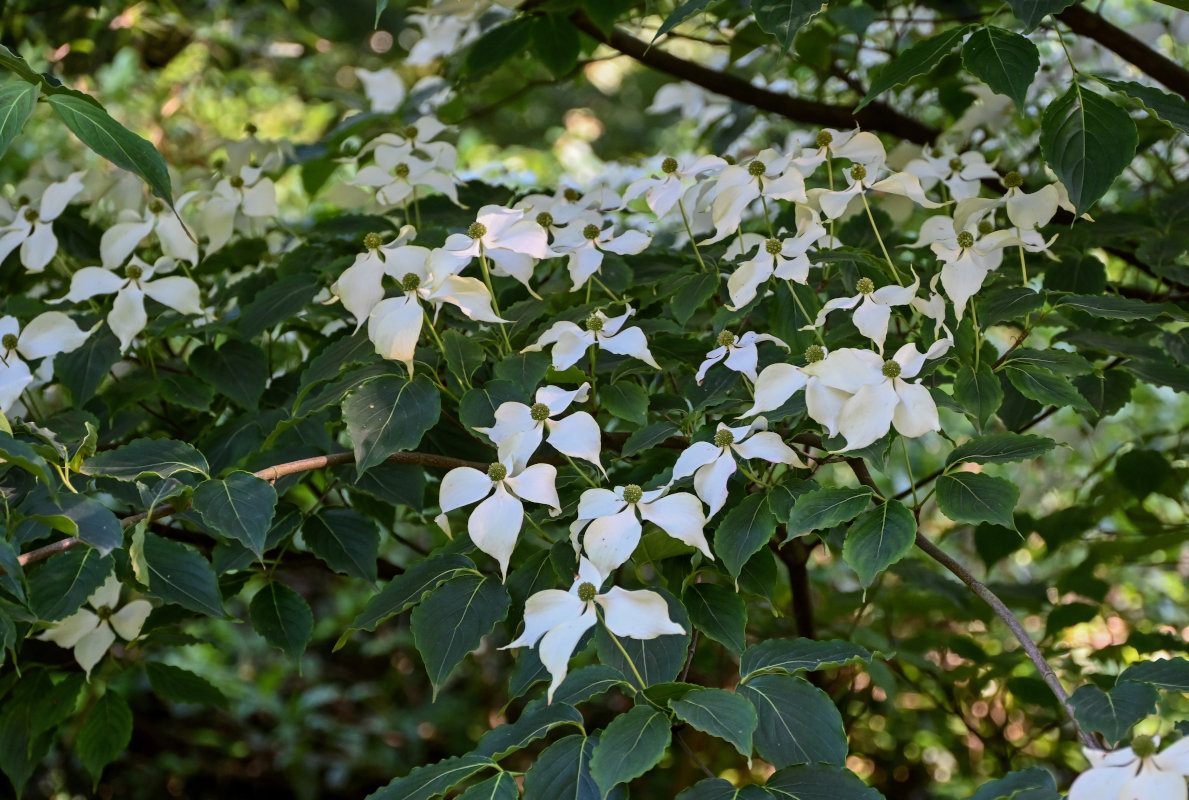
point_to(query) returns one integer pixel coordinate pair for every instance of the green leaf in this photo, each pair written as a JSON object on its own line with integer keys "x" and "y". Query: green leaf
{"x": 1113, "y": 713}
{"x": 563, "y": 770}
{"x": 587, "y": 682}
{"x": 1160, "y": 373}
{"x": 20, "y": 453}
{"x": 105, "y": 734}
{"x": 974, "y": 497}
{"x": 718, "y": 612}
{"x": 477, "y": 407}
{"x": 819, "y": 782}
{"x": 785, "y": 18}
{"x": 1106, "y": 392}
{"x": 1031, "y": 12}
{"x": 432, "y": 780}
{"x": 719, "y": 713}
{"x": 84, "y": 517}
{"x": 745, "y": 529}
{"x": 14, "y": 63}
{"x": 878, "y": 539}
{"x": 278, "y": 302}
{"x": 239, "y": 507}
{"x": 32, "y": 708}
{"x": 648, "y": 437}
{"x": 501, "y": 786}
{"x": 978, "y": 392}
{"x": 98, "y": 131}
{"x": 1113, "y": 306}
{"x": 679, "y": 15}
{"x": 1005, "y": 61}
{"x": 1169, "y": 108}
{"x": 381, "y": 7}
{"x": 453, "y": 620}
{"x": 182, "y": 686}
{"x": 1061, "y": 362}
{"x": 822, "y": 509}
{"x": 238, "y": 370}
{"x": 388, "y": 415}
{"x": 1026, "y": 784}
{"x": 63, "y": 584}
{"x": 794, "y": 655}
{"x": 16, "y": 105}
{"x": 555, "y": 43}
{"x": 1000, "y": 448}
{"x": 498, "y": 45}
{"x": 656, "y": 660}
{"x": 630, "y": 746}
{"x": 407, "y": 589}
{"x": 158, "y": 457}
{"x": 82, "y": 370}
{"x": 799, "y": 723}
{"x": 346, "y": 540}
{"x": 283, "y": 618}
{"x": 1170, "y": 674}
{"x": 720, "y": 789}
{"x": 1043, "y": 386}
{"x": 178, "y": 574}
{"x": 534, "y": 724}
{"x": 693, "y": 292}
{"x": 919, "y": 59}
{"x": 1015, "y": 302}
{"x": 625, "y": 400}
{"x": 463, "y": 355}
{"x": 1088, "y": 141}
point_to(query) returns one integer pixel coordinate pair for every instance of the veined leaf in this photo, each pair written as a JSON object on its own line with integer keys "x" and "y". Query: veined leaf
{"x": 785, "y": 18}
{"x": 1088, "y": 141}
{"x": 16, "y": 105}
{"x": 1005, "y": 61}
{"x": 878, "y": 539}
{"x": 916, "y": 60}
{"x": 973, "y": 497}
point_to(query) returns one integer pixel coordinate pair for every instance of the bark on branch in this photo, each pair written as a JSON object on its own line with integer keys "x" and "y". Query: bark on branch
{"x": 1086, "y": 23}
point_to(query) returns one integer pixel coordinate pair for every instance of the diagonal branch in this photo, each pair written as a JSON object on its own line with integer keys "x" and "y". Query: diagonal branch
{"x": 1156, "y": 66}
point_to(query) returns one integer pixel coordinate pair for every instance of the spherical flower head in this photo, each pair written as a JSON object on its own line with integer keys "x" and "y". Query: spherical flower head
{"x": 593, "y": 323}
{"x": 726, "y": 339}
{"x": 815, "y": 353}
{"x": 9, "y": 342}
{"x": 572, "y": 195}
{"x": 410, "y": 131}
{"x": 545, "y": 219}
{"x": 865, "y": 286}
{"x": 858, "y": 172}
{"x": 757, "y": 168}
{"x": 984, "y": 227}
{"x": 539, "y": 412}
{"x": 411, "y": 282}
{"x": 31, "y": 215}
{"x": 965, "y": 240}
{"x": 724, "y": 438}
{"x": 401, "y": 170}
{"x": 156, "y": 206}
{"x": 477, "y": 230}
{"x": 1144, "y": 746}
{"x": 590, "y": 232}
{"x": 956, "y": 164}
{"x": 773, "y": 247}
{"x": 497, "y": 472}
{"x": 236, "y": 182}
{"x": 133, "y": 272}
{"x": 1013, "y": 180}
{"x": 824, "y": 139}
{"x": 891, "y": 369}
{"x": 587, "y": 591}
{"x": 632, "y": 493}
{"x": 669, "y": 166}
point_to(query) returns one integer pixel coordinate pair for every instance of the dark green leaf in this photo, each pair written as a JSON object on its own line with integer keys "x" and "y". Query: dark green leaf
{"x": 82, "y": 370}
{"x": 20, "y": 453}
{"x": 1005, "y": 61}
{"x": 1028, "y": 784}
{"x": 182, "y": 686}
{"x": 498, "y": 45}
{"x": 978, "y": 392}
{"x": 178, "y": 574}
{"x": 555, "y": 43}
{"x": 105, "y": 734}
{"x": 237, "y": 369}
{"x": 159, "y": 457}
{"x": 534, "y": 724}
{"x": 1000, "y": 448}
{"x": 625, "y": 400}
{"x": 1064, "y": 616}
{"x": 1166, "y": 107}
{"x": 745, "y": 529}
{"x": 1113, "y": 306}
{"x": 630, "y": 746}
{"x": 720, "y": 789}
{"x": 477, "y": 407}
{"x": 718, "y": 612}
{"x": 648, "y": 437}
{"x": 794, "y": 655}
{"x": 432, "y": 780}
{"x": 1031, "y": 12}
{"x": 388, "y": 415}
{"x": 784, "y": 18}
{"x": 16, "y": 104}
{"x": 407, "y": 589}
{"x": 453, "y": 620}
{"x": 563, "y": 770}
{"x": 1113, "y": 713}
{"x": 346, "y": 540}
{"x": 1043, "y": 386}
{"x": 679, "y": 15}
{"x": 1160, "y": 373}
{"x": 88, "y": 519}
{"x": 1088, "y": 141}
{"x": 278, "y": 302}
{"x": 501, "y": 786}
{"x": 799, "y": 723}
{"x": 1007, "y": 304}
{"x": 63, "y": 584}
{"x": 523, "y": 370}
{"x": 463, "y": 355}
{"x": 1170, "y": 674}
{"x": 822, "y": 509}
{"x": 719, "y": 713}
{"x": 587, "y": 682}
{"x": 973, "y": 497}
{"x": 240, "y": 507}
{"x": 919, "y": 59}
{"x": 692, "y": 293}
{"x": 878, "y": 539}
{"x": 819, "y": 782}
{"x": 1061, "y": 362}
{"x": 283, "y": 618}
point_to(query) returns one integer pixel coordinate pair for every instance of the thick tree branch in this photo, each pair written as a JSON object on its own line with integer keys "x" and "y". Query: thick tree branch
{"x": 1086, "y": 23}
{"x": 875, "y": 117}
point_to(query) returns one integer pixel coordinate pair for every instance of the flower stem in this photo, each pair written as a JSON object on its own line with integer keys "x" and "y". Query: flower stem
{"x": 495, "y": 306}
{"x": 692, "y": 241}
{"x": 882, "y": 247}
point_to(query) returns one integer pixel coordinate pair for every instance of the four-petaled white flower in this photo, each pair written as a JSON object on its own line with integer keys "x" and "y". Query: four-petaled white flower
{"x": 361, "y": 285}
{"x": 397, "y": 173}
{"x": 558, "y": 618}
{"x": 1138, "y": 772}
{"x": 92, "y": 633}
{"x": 664, "y": 192}
{"x": 121, "y": 239}
{"x": 862, "y": 178}
{"x": 739, "y": 351}
{"x": 874, "y": 310}
{"x": 770, "y": 176}
{"x": 586, "y": 244}
{"x": 570, "y": 341}
{"x": 32, "y": 229}
{"x": 511, "y": 243}
{"x": 250, "y": 193}
{"x": 383, "y": 87}
{"x": 46, "y": 334}
{"x": 612, "y": 521}
{"x": 495, "y": 523}
{"x": 785, "y": 258}
{"x": 713, "y": 463}
{"x": 518, "y": 428}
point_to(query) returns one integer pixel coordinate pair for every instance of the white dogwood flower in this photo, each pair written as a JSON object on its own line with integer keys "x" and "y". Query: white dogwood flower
{"x": 558, "y": 618}
{"x": 663, "y": 192}
{"x": 612, "y": 521}
{"x": 90, "y": 634}
{"x": 511, "y": 243}
{"x": 383, "y": 87}
{"x": 769, "y": 176}
{"x": 32, "y": 229}
{"x": 585, "y": 247}
{"x": 740, "y": 353}
{"x": 361, "y": 286}
{"x": 570, "y": 341}
{"x": 249, "y": 193}
{"x": 961, "y": 174}
{"x": 518, "y": 428}
{"x": 1138, "y": 772}
{"x": 122, "y": 238}
{"x": 495, "y": 523}
{"x": 786, "y": 258}
{"x": 861, "y": 178}
{"x": 397, "y": 174}
{"x": 874, "y": 310}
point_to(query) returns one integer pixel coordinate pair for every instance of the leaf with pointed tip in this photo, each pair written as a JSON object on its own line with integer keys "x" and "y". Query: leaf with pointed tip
{"x": 1044, "y": 386}
{"x": 587, "y": 682}
{"x": 720, "y": 713}
{"x": 878, "y": 539}
{"x": 1005, "y": 61}
{"x": 630, "y": 746}
{"x": 177, "y": 573}
{"x": 1026, "y": 784}
{"x": 472, "y": 604}
{"x": 798, "y": 723}
{"x": 106, "y": 732}
{"x": 432, "y": 780}
{"x": 919, "y": 59}
{"x": 978, "y": 392}
{"x": 679, "y": 15}
{"x": 16, "y": 105}
{"x": 1113, "y": 713}
{"x": 563, "y": 770}
{"x": 1031, "y": 12}
{"x": 1169, "y": 108}
{"x": 388, "y": 415}
{"x": 283, "y": 618}
{"x": 719, "y": 612}
{"x": 974, "y": 497}
{"x": 822, "y": 509}
{"x": 159, "y": 457}
{"x": 238, "y": 370}
{"x": 745, "y": 529}
{"x": 535, "y": 723}
{"x": 1088, "y": 141}
{"x": 794, "y": 655}
{"x": 61, "y": 586}
{"x": 239, "y": 507}
{"x": 407, "y": 589}
{"x": 1170, "y": 674}
{"x": 501, "y": 786}
{"x": 1000, "y": 448}
{"x": 346, "y": 540}
{"x": 1112, "y": 306}
{"x": 819, "y": 781}
{"x": 784, "y": 19}
{"x": 182, "y": 686}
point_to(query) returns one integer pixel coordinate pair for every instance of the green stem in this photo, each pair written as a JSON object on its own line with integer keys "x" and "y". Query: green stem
{"x": 692, "y": 241}
{"x": 908, "y": 465}
{"x": 495, "y": 306}
{"x": 603, "y": 286}
{"x": 808, "y": 319}
{"x": 580, "y": 471}
{"x": 883, "y": 248}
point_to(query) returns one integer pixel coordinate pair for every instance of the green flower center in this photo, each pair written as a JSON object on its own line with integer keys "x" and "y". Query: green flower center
{"x": 858, "y": 172}
{"x": 724, "y": 439}
{"x": 1143, "y": 746}
{"x": 539, "y": 412}
{"x": 133, "y": 273}
{"x": 31, "y": 215}
{"x": 236, "y": 182}
{"x": 411, "y": 282}
{"x": 587, "y": 591}
{"x": 985, "y": 227}
{"x": 1013, "y": 180}
{"x": 757, "y": 168}
{"x": 497, "y": 472}
{"x": 731, "y": 160}
{"x": 891, "y": 369}
{"x": 372, "y": 241}
{"x": 773, "y": 247}
{"x": 411, "y": 132}
{"x": 572, "y": 195}
{"x": 726, "y": 339}
{"x": 965, "y": 239}
{"x": 594, "y": 323}
{"x": 824, "y": 139}
{"x": 250, "y": 129}
{"x": 9, "y": 341}
{"x": 545, "y": 219}
{"x": 402, "y": 170}
{"x": 632, "y": 493}
{"x": 477, "y": 230}
{"x": 865, "y": 286}
{"x": 156, "y": 207}
{"x": 956, "y": 164}
{"x": 669, "y": 166}
{"x": 815, "y": 353}
{"x": 590, "y": 232}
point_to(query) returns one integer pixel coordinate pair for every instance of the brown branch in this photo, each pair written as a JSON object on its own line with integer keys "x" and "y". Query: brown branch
{"x": 1086, "y": 23}
{"x": 875, "y": 117}
{"x": 269, "y": 474}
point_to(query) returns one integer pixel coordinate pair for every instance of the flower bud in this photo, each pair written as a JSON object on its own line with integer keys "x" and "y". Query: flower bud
{"x": 9, "y": 341}
{"x": 572, "y": 195}
{"x": 858, "y": 172}
{"x": 411, "y": 282}
{"x": 1143, "y": 746}
{"x": 402, "y": 170}
{"x": 593, "y": 323}
{"x": 757, "y": 168}
{"x": 824, "y": 139}
{"x": 985, "y": 227}
{"x": 133, "y": 272}
{"x": 590, "y": 232}
{"x": 726, "y": 339}
{"x": 236, "y": 182}
{"x": 545, "y": 219}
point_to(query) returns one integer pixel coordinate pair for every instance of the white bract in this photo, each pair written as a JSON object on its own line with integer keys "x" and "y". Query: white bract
{"x": 495, "y": 523}
{"x": 713, "y": 463}
{"x": 32, "y": 229}
{"x": 90, "y": 634}
{"x": 585, "y": 247}
{"x": 518, "y": 428}
{"x": 509, "y": 242}
{"x": 786, "y": 258}
{"x": 738, "y": 353}
{"x": 664, "y": 192}
{"x": 874, "y": 310}
{"x": 861, "y": 179}
{"x": 961, "y": 174}
{"x": 398, "y": 173}
{"x": 769, "y": 176}
{"x": 1135, "y": 773}
{"x": 570, "y": 341}
{"x": 558, "y": 618}
{"x": 121, "y": 239}
{"x": 383, "y": 87}
{"x": 612, "y": 521}
{"x": 361, "y": 285}
{"x": 249, "y": 193}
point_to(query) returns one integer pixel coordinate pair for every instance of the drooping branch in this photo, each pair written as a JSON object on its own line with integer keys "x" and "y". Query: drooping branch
{"x": 272, "y": 473}
{"x": 875, "y": 117}
{"x": 1086, "y": 23}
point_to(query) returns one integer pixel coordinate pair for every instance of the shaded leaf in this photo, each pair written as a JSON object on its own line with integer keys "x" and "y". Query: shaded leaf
{"x": 240, "y": 507}
{"x": 159, "y": 457}
{"x": 16, "y": 104}
{"x": 878, "y": 539}
{"x": 534, "y": 724}
{"x": 178, "y": 574}
{"x": 106, "y": 732}
{"x": 794, "y": 655}
{"x": 388, "y": 415}
{"x": 346, "y": 540}
{"x": 1088, "y": 141}
{"x": 1113, "y": 713}
{"x": 785, "y": 18}
{"x": 283, "y": 618}
{"x": 745, "y": 529}
{"x": 919, "y": 59}
{"x": 182, "y": 686}
{"x": 473, "y": 605}
{"x": 719, "y": 612}
{"x": 822, "y": 509}
{"x": 1000, "y": 448}
{"x": 798, "y": 723}
{"x": 973, "y": 497}
{"x": 630, "y": 746}
{"x": 719, "y": 713}
{"x": 1005, "y": 61}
